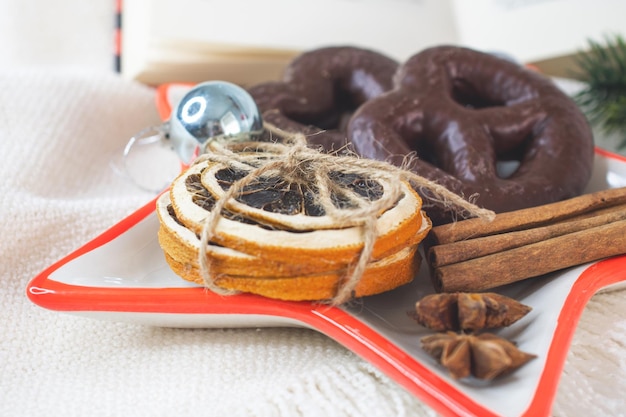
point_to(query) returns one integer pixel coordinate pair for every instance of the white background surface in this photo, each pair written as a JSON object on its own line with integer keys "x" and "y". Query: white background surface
{"x": 62, "y": 113}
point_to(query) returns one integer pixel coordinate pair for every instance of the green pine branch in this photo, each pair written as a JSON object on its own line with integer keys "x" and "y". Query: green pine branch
{"x": 603, "y": 69}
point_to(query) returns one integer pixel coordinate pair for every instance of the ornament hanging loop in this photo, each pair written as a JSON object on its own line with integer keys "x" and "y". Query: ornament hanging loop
{"x": 147, "y": 160}
{"x": 146, "y": 136}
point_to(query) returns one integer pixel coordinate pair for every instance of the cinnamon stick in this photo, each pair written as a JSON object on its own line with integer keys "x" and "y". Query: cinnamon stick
{"x": 473, "y": 255}
{"x": 532, "y": 260}
{"x": 527, "y": 218}
{"x": 473, "y": 248}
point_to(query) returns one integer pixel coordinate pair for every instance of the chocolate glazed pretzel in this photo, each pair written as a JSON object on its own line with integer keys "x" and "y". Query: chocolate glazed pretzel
{"x": 463, "y": 112}
{"x": 321, "y": 89}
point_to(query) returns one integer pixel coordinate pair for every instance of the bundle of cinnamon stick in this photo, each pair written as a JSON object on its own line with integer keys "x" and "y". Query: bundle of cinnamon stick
{"x": 476, "y": 255}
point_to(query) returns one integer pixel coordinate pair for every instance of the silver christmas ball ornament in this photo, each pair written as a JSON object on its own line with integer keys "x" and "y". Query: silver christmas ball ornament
{"x": 213, "y": 110}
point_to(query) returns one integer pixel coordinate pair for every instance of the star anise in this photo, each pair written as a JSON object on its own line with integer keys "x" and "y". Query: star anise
{"x": 468, "y": 311}
{"x": 485, "y": 356}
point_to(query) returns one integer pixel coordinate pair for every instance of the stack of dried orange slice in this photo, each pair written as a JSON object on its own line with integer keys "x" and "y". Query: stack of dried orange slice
{"x": 275, "y": 237}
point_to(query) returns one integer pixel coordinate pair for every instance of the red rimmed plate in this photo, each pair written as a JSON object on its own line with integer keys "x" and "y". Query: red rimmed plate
{"x": 122, "y": 275}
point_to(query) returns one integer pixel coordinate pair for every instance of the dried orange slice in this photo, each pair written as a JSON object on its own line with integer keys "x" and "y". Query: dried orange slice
{"x": 183, "y": 246}
{"x": 192, "y": 204}
{"x": 267, "y": 220}
{"x": 380, "y": 276}
{"x": 277, "y": 202}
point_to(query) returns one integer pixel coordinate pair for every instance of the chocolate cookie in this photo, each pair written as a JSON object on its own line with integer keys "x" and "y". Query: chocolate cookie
{"x": 320, "y": 90}
{"x": 481, "y": 126}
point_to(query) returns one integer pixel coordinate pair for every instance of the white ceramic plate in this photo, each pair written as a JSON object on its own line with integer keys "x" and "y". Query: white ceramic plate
{"x": 122, "y": 275}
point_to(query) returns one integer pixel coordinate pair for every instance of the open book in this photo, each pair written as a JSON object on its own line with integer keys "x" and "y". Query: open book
{"x": 250, "y": 41}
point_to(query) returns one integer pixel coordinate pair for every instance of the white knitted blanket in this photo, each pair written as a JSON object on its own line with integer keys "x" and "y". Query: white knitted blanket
{"x": 58, "y": 130}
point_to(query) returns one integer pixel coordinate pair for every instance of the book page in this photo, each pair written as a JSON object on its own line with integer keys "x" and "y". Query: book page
{"x": 398, "y": 28}
{"x": 535, "y": 30}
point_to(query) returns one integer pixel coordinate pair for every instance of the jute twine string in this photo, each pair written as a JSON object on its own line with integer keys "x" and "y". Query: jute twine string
{"x": 294, "y": 161}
